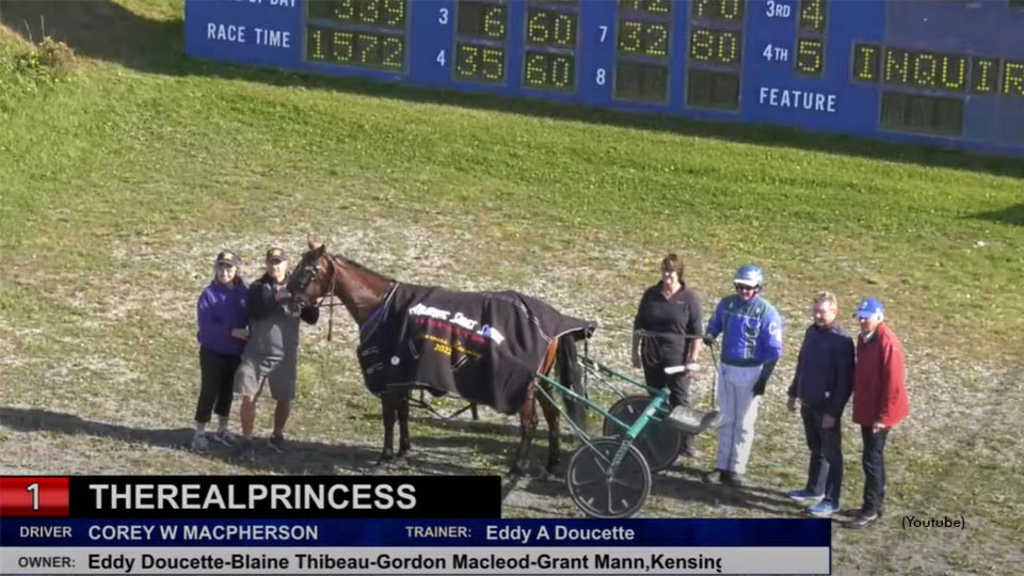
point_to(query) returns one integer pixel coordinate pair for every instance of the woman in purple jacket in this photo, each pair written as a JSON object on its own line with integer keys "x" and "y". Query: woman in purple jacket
{"x": 222, "y": 316}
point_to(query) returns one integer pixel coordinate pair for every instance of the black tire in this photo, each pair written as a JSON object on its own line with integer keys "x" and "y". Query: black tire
{"x": 659, "y": 443}
{"x": 599, "y": 496}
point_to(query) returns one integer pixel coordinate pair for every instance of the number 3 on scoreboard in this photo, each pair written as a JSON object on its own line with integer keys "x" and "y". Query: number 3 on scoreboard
{"x": 443, "y": 16}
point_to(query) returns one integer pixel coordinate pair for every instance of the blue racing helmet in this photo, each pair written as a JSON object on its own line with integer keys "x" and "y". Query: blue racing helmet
{"x": 749, "y": 275}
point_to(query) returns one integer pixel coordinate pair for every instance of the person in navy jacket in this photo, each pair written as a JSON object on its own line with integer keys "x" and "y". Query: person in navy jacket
{"x": 823, "y": 382}
{"x": 222, "y": 318}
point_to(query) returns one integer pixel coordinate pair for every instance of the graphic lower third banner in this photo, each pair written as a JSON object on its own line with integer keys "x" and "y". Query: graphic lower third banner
{"x": 372, "y": 527}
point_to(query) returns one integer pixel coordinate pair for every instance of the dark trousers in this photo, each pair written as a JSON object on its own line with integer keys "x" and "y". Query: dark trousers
{"x": 874, "y": 469}
{"x": 217, "y": 384}
{"x": 679, "y": 389}
{"x": 825, "y": 469}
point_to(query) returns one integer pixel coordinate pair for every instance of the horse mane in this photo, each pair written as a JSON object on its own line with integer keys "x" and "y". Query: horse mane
{"x": 353, "y": 264}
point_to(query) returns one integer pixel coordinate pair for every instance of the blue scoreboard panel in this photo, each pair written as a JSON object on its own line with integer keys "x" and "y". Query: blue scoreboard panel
{"x": 945, "y": 72}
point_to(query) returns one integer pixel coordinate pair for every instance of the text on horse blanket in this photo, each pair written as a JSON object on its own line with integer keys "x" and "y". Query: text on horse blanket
{"x": 485, "y": 347}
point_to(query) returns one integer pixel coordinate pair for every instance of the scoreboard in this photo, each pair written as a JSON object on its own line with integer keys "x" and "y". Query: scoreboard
{"x": 941, "y": 72}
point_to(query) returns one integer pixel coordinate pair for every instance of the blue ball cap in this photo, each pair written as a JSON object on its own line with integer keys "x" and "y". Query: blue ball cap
{"x": 869, "y": 307}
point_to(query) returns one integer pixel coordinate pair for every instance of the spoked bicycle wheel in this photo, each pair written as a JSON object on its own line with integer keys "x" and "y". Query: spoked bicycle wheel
{"x": 601, "y": 495}
{"x": 658, "y": 442}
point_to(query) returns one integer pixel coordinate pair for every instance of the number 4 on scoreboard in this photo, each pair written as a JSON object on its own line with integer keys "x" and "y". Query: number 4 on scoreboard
{"x": 440, "y": 58}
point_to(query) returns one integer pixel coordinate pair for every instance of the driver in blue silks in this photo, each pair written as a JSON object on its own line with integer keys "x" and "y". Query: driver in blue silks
{"x": 751, "y": 330}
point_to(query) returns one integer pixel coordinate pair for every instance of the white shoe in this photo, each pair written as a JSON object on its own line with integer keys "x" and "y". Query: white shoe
{"x": 224, "y": 437}
{"x": 200, "y": 443}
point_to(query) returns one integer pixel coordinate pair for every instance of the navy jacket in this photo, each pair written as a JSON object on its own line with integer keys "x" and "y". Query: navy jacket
{"x": 824, "y": 369}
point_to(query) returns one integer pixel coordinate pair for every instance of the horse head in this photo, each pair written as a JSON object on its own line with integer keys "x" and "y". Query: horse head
{"x": 313, "y": 275}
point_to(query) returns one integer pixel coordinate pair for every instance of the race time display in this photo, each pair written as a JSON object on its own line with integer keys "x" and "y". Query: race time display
{"x": 943, "y": 72}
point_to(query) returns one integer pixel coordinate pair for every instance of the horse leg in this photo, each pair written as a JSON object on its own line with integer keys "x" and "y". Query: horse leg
{"x": 387, "y": 404}
{"x": 527, "y": 426}
{"x": 404, "y": 443}
{"x": 554, "y": 438}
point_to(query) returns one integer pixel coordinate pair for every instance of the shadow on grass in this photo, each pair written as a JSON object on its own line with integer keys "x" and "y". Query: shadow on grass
{"x": 106, "y": 30}
{"x": 1013, "y": 215}
{"x": 303, "y": 457}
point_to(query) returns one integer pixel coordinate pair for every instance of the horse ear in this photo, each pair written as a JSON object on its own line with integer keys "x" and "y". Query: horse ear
{"x": 310, "y": 239}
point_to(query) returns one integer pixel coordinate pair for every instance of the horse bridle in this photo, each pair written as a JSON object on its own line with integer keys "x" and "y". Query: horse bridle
{"x": 309, "y": 273}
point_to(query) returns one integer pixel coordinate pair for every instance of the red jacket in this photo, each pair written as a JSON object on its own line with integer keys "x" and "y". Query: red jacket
{"x": 879, "y": 389}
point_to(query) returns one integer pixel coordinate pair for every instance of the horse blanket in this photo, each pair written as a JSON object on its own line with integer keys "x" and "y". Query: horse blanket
{"x": 484, "y": 347}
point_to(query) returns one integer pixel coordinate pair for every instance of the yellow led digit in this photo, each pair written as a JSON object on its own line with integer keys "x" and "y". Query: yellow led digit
{"x": 536, "y": 29}
{"x": 343, "y": 48}
{"x": 701, "y": 44}
{"x": 631, "y": 33}
{"x": 563, "y": 32}
{"x": 730, "y": 9}
{"x": 395, "y": 10}
{"x": 318, "y": 45}
{"x": 494, "y": 25}
{"x": 727, "y": 47}
{"x": 659, "y": 45}
{"x": 809, "y": 55}
{"x": 563, "y": 78}
{"x": 535, "y": 69}
{"x": 343, "y": 10}
{"x": 494, "y": 57}
{"x": 393, "y": 49}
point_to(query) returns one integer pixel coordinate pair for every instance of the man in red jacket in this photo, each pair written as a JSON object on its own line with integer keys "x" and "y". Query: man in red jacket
{"x": 879, "y": 401}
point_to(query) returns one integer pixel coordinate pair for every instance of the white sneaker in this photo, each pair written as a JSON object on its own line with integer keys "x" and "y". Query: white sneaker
{"x": 200, "y": 443}
{"x": 224, "y": 437}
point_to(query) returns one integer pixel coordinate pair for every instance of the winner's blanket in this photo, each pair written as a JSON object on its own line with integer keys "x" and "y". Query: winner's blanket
{"x": 485, "y": 347}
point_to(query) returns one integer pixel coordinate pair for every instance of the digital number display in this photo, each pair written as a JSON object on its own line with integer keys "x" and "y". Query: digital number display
{"x": 552, "y": 33}
{"x": 943, "y": 71}
{"x": 480, "y": 19}
{"x": 715, "y": 50}
{"x": 716, "y": 46}
{"x": 357, "y": 33}
{"x": 367, "y": 49}
{"x": 922, "y": 114}
{"x": 481, "y": 41}
{"x": 813, "y": 16}
{"x": 810, "y": 57}
{"x": 389, "y": 13}
{"x": 719, "y": 10}
{"x": 810, "y": 43}
{"x": 643, "y": 48}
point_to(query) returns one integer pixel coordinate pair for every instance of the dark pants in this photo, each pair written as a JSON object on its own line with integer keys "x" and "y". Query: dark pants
{"x": 825, "y": 469}
{"x": 217, "y": 386}
{"x": 874, "y": 469}
{"x": 679, "y": 389}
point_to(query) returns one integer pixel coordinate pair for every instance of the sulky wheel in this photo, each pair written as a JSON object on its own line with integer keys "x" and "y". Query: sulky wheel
{"x": 601, "y": 496}
{"x": 658, "y": 442}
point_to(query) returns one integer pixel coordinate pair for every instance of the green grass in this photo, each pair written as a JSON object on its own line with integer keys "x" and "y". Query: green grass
{"x": 118, "y": 184}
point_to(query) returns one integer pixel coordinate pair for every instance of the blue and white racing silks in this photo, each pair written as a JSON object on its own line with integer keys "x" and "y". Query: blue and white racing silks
{"x": 753, "y": 331}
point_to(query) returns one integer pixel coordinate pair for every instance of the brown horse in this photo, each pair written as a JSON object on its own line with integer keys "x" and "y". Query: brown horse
{"x": 363, "y": 291}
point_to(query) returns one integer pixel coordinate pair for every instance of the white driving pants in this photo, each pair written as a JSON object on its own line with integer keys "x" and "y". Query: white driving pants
{"x": 739, "y": 412}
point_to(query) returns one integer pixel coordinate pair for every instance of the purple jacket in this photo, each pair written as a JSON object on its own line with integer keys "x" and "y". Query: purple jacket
{"x": 218, "y": 311}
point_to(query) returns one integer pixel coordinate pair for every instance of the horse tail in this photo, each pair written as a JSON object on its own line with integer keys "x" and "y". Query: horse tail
{"x": 570, "y": 375}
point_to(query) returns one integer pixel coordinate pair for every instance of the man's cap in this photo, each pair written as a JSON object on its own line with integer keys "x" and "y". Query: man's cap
{"x": 228, "y": 257}
{"x": 276, "y": 254}
{"x": 869, "y": 307}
